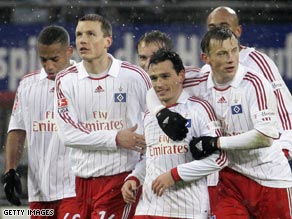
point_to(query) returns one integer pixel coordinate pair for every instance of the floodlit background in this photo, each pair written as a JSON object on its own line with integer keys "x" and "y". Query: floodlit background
{"x": 267, "y": 25}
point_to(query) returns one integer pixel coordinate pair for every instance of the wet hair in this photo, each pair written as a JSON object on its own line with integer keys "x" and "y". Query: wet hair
{"x": 54, "y": 34}
{"x": 157, "y": 37}
{"x": 216, "y": 33}
{"x": 106, "y": 26}
{"x": 163, "y": 55}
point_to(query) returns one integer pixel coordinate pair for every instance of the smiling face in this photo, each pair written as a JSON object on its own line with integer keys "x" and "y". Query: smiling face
{"x": 54, "y": 58}
{"x": 166, "y": 82}
{"x": 223, "y": 57}
{"x": 90, "y": 40}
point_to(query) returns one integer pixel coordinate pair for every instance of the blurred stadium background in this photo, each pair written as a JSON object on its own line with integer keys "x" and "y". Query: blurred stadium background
{"x": 267, "y": 25}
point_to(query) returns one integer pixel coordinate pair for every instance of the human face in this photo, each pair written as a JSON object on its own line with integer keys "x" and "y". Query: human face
{"x": 145, "y": 51}
{"x": 91, "y": 43}
{"x": 54, "y": 58}
{"x": 166, "y": 82}
{"x": 223, "y": 58}
{"x": 224, "y": 18}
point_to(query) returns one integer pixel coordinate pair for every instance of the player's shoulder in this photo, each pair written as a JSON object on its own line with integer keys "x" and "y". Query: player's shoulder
{"x": 134, "y": 72}
{"x": 202, "y": 107}
{"x": 249, "y": 55}
{"x": 67, "y": 73}
{"x": 30, "y": 77}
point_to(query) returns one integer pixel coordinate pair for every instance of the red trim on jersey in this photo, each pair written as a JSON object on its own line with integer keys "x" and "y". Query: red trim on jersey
{"x": 31, "y": 74}
{"x": 209, "y": 109}
{"x": 222, "y": 89}
{"x": 189, "y": 82}
{"x": 175, "y": 175}
{"x": 191, "y": 69}
{"x": 221, "y": 160}
{"x": 283, "y": 112}
{"x": 92, "y": 78}
{"x": 259, "y": 88}
{"x": 142, "y": 73}
{"x": 263, "y": 65}
{"x": 135, "y": 179}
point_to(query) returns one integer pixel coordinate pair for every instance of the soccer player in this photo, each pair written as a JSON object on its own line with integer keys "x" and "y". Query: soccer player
{"x": 149, "y": 43}
{"x": 261, "y": 63}
{"x": 244, "y": 103}
{"x": 50, "y": 178}
{"x": 99, "y": 103}
{"x": 169, "y": 196}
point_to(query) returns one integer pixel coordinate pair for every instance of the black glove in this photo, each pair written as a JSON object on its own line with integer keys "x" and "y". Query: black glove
{"x": 12, "y": 181}
{"x": 173, "y": 124}
{"x": 203, "y": 147}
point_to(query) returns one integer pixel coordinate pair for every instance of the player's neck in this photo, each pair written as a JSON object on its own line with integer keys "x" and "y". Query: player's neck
{"x": 97, "y": 66}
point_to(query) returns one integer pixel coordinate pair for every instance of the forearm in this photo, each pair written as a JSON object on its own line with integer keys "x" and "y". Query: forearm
{"x": 14, "y": 148}
{"x": 249, "y": 140}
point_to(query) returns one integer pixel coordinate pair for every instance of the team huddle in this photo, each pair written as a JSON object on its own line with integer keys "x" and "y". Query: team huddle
{"x": 155, "y": 141}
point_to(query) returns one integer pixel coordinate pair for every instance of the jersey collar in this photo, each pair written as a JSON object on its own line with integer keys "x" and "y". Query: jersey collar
{"x": 113, "y": 71}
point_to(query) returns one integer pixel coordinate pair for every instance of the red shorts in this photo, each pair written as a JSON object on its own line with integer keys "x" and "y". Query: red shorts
{"x": 101, "y": 197}
{"x": 60, "y": 209}
{"x": 240, "y": 197}
{"x": 153, "y": 217}
{"x": 213, "y": 196}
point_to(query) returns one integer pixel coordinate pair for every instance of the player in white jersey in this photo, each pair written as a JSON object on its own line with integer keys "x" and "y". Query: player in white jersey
{"x": 99, "y": 106}
{"x": 244, "y": 102}
{"x": 261, "y": 63}
{"x": 51, "y": 182}
{"x": 149, "y": 43}
{"x": 183, "y": 199}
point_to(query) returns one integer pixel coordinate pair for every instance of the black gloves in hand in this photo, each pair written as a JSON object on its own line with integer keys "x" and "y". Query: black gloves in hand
{"x": 12, "y": 181}
{"x": 173, "y": 124}
{"x": 203, "y": 147}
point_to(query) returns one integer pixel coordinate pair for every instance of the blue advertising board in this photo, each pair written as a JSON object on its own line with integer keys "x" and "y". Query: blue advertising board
{"x": 18, "y": 54}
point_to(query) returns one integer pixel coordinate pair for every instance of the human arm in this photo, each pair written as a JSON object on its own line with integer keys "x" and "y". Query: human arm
{"x": 191, "y": 171}
{"x": 133, "y": 181}
{"x": 96, "y": 133}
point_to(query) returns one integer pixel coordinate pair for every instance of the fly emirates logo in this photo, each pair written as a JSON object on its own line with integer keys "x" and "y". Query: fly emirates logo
{"x": 100, "y": 121}
{"x": 167, "y": 146}
{"x": 46, "y": 125}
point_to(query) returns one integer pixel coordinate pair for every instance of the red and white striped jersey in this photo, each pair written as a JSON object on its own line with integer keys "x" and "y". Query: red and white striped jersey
{"x": 49, "y": 171}
{"x": 248, "y": 103}
{"x": 263, "y": 64}
{"x": 91, "y": 110}
{"x": 188, "y": 198}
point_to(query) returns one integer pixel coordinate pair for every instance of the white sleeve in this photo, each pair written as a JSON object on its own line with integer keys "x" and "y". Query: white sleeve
{"x": 201, "y": 168}
{"x": 248, "y": 140}
{"x": 71, "y": 131}
{"x": 140, "y": 170}
{"x": 153, "y": 103}
{"x": 16, "y": 119}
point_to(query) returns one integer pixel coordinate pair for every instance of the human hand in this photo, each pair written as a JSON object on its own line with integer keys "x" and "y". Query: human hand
{"x": 12, "y": 183}
{"x": 173, "y": 124}
{"x": 130, "y": 140}
{"x": 129, "y": 190}
{"x": 203, "y": 147}
{"x": 162, "y": 182}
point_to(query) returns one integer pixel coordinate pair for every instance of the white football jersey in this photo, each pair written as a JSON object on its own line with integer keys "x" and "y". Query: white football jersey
{"x": 262, "y": 64}
{"x": 91, "y": 110}
{"x": 49, "y": 171}
{"x": 248, "y": 103}
{"x": 188, "y": 198}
